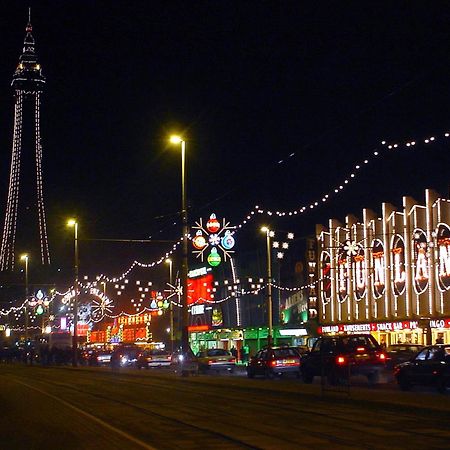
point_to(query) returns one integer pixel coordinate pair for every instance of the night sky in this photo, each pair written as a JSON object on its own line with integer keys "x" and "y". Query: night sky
{"x": 247, "y": 84}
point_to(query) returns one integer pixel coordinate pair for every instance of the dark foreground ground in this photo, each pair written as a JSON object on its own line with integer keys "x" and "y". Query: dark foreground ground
{"x": 66, "y": 408}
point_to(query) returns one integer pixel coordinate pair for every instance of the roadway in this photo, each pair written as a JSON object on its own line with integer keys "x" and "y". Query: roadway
{"x": 97, "y": 408}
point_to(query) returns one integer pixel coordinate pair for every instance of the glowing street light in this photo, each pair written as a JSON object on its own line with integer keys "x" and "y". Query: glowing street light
{"x": 184, "y": 265}
{"x": 73, "y": 223}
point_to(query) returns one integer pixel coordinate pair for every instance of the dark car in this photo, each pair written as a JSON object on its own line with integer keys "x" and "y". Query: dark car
{"x": 154, "y": 358}
{"x": 430, "y": 367}
{"x": 216, "y": 359}
{"x": 275, "y": 361}
{"x": 339, "y": 357}
{"x": 399, "y": 353}
{"x": 125, "y": 356}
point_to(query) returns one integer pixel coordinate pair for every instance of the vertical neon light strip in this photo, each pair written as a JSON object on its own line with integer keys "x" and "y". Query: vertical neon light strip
{"x": 238, "y": 300}
{"x": 430, "y": 198}
{"x": 45, "y": 254}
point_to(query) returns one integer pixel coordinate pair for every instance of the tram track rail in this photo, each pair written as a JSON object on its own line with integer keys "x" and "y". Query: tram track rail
{"x": 222, "y": 395}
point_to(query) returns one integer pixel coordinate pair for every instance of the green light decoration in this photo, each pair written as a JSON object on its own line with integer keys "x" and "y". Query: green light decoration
{"x": 214, "y": 259}
{"x": 39, "y": 310}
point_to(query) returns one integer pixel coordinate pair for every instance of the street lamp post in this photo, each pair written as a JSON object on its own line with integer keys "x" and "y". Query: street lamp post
{"x": 170, "y": 262}
{"x": 184, "y": 264}
{"x": 25, "y": 258}
{"x": 269, "y": 235}
{"x": 73, "y": 223}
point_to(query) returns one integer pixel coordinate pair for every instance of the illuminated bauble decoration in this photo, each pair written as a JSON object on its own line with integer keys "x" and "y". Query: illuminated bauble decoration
{"x": 214, "y": 239}
{"x": 214, "y": 258}
{"x": 39, "y": 310}
{"x": 160, "y": 303}
{"x": 213, "y": 224}
{"x": 153, "y": 304}
{"x": 166, "y": 304}
{"x": 228, "y": 241}
{"x": 160, "y": 312}
{"x": 39, "y": 295}
{"x": 199, "y": 240}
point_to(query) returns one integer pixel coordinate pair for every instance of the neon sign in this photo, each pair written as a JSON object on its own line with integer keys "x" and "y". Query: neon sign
{"x": 421, "y": 268}
{"x": 325, "y": 276}
{"x": 443, "y": 262}
{"x": 398, "y": 272}
{"x": 378, "y": 264}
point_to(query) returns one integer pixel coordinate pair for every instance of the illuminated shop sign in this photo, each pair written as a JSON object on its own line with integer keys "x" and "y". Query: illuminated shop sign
{"x": 398, "y": 263}
{"x": 440, "y": 323}
{"x": 421, "y": 264}
{"x": 343, "y": 281}
{"x": 325, "y": 268}
{"x": 443, "y": 262}
{"x": 378, "y": 264}
{"x": 360, "y": 272}
{"x": 370, "y": 327}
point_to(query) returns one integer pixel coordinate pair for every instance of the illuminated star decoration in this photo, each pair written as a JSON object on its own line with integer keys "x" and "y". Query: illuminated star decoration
{"x": 351, "y": 248}
{"x": 283, "y": 245}
{"x": 215, "y": 235}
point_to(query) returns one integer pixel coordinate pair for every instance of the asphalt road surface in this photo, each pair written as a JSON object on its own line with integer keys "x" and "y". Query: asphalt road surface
{"x": 64, "y": 408}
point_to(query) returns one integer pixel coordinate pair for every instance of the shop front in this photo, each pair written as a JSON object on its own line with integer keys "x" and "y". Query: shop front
{"x": 386, "y": 333}
{"x": 388, "y": 275}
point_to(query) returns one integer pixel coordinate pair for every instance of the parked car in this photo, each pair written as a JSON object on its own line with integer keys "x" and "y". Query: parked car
{"x": 431, "y": 367}
{"x": 399, "y": 353}
{"x": 275, "y": 361}
{"x": 339, "y": 357}
{"x": 154, "y": 358}
{"x": 216, "y": 359}
{"x": 125, "y": 356}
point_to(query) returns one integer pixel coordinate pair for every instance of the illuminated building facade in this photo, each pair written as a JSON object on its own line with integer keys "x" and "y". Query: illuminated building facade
{"x": 388, "y": 275}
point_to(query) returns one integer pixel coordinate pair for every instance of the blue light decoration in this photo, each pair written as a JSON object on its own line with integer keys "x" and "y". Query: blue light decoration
{"x": 216, "y": 236}
{"x": 227, "y": 241}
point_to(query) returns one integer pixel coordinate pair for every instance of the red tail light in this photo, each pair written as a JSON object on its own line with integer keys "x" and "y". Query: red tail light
{"x": 210, "y": 361}
{"x": 232, "y": 360}
{"x": 360, "y": 349}
{"x": 273, "y": 363}
{"x": 382, "y": 356}
{"x": 340, "y": 360}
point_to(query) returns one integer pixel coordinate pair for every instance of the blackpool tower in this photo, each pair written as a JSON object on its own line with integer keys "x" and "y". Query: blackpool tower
{"x": 25, "y": 228}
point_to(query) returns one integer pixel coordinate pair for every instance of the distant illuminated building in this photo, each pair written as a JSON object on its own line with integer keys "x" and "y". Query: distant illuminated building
{"x": 25, "y": 222}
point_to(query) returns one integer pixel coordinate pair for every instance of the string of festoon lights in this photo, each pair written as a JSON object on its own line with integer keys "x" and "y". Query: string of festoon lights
{"x": 157, "y": 262}
{"x": 385, "y": 149}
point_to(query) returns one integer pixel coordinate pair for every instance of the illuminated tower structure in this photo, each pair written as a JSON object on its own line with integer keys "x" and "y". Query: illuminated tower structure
{"x": 25, "y": 226}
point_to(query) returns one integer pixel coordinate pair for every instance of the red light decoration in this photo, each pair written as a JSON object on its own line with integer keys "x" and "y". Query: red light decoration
{"x": 213, "y": 224}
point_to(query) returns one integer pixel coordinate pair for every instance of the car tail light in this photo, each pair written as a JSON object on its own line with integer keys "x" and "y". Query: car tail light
{"x": 274, "y": 362}
{"x": 232, "y": 360}
{"x": 340, "y": 360}
{"x": 360, "y": 349}
{"x": 382, "y": 356}
{"x": 210, "y": 361}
